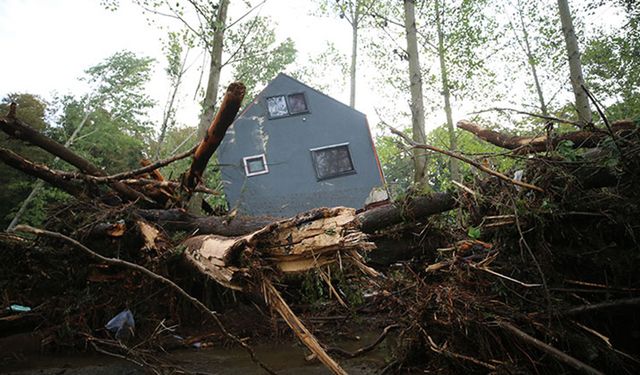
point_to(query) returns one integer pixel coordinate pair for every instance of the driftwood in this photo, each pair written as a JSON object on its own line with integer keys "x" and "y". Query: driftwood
{"x": 579, "y": 139}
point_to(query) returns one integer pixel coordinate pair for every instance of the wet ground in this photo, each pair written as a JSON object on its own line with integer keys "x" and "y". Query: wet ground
{"x": 286, "y": 358}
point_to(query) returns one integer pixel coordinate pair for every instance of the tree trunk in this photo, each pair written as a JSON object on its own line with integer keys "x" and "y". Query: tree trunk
{"x": 227, "y": 113}
{"x": 370, "y": 220}
{"x": 575, "y": 67}
{"x": 215, "y": 67}
{"x": 415, "y": 80}
{"x": 170, "y": 103}
{"x": 446, "y": 92}
{"x": 354, "y": 52}
{"x": 532, "y": 62}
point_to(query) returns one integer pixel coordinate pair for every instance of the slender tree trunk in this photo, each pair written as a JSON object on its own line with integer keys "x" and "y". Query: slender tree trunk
{"x": 446, "y": 92}
{"x": 169, "y": 108}
{"x": 354, "y": 51}
{"x": 575, "y": 67}
{"x": 38, "y": 185}
{"x": 215, "y": 49}
{"x": 415, "y": 79}
{"x": 532, "y": 62}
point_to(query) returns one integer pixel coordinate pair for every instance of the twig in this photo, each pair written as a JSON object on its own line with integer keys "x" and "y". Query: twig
{"x": 366, "y": 349}
{"x": 464, "y": 159}
{"x": 153, "y": 275}
{"x": 545, "y": 117}
{"x": 132, "y": 173}
{"x": 557, "y": 354}
{"x": 505, "y": 277}
{"x": 171, "y": 184}
{"x": 604, "y": 119}
{"x": 626, "y": 302}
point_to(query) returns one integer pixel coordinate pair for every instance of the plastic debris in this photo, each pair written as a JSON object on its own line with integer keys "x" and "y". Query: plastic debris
{"x": 122, "y": 325}
{"x": 18, "y": 308}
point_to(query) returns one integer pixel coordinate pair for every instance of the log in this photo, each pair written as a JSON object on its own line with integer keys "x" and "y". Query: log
{"x": 19, "y": 130}
{"x": 523, "y": 145}
{"x": 225, "y": 116}
{"x": 370, "y": 221}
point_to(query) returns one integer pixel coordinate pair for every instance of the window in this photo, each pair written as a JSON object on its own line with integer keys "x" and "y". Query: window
{"x": 277, "y": 106}
{"x": 332, "y": 161}
{"x": 255, "y": 165}
{"x": 297, "y": 103}
{"x": 286, "y": 105}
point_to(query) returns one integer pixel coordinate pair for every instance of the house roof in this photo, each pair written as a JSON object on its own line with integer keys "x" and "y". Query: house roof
{"x": 286, "y": 76}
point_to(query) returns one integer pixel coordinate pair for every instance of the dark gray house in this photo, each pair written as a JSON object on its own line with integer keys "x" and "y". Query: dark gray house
{"x": 294, "y": 148}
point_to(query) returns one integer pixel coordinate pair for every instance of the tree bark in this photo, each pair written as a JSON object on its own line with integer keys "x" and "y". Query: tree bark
{"x": 446, "y": 93}
{"x": 370, "y": 220}
{"x": 417, "y": 103}
{"x": 524, "y": 145}
{"x": 227, "y": 113}
{"x": 575, "y": 66}
{"x": 215, "y": 67}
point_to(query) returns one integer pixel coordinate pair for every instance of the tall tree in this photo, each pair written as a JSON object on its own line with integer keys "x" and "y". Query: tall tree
{"x": 575, "y": 66}
{"x": 176, "y": 69}
{"x": 354, "y": 12}
{"x": 417, "y": 103}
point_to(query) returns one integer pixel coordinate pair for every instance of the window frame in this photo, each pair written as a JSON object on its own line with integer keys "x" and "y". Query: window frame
{"x": 340, "y": 174}
{"x": 288, "y": 105}
{"x": 245, "y": 161}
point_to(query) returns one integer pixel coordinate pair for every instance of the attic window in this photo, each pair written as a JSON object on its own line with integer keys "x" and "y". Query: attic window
{"x": 287, "y": 105}
{"x": 332, "y": 161}
{"x": 255, "y": 165}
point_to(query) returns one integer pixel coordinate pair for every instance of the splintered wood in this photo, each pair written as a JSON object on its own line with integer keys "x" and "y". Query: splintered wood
{"x": 308, "y": 241}
{"x": 319, "y": 237}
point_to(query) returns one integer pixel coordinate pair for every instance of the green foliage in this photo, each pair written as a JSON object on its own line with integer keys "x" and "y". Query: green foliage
{"x": 15, "y": 184}
{"x": 613, "y": 67}
{"x": 474, "y": 233}
{"x": 258, "y": 62}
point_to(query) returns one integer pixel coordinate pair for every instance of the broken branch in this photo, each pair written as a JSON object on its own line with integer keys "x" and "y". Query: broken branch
{"x": 226, "y": 114}
{"x": 466, "y": 160}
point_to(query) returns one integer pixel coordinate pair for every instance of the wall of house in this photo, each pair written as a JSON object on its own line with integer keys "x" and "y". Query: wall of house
{"x": 291, "y": 185}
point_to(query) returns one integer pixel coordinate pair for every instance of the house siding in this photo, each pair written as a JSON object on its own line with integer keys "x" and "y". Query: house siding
{"x": 291, "y": 186}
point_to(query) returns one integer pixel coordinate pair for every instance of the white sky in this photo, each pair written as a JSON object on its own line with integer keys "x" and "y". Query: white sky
{"x": 48, "y": 45}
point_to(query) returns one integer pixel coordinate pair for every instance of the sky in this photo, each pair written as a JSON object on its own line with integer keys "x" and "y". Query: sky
{"x": 50, "y": 43}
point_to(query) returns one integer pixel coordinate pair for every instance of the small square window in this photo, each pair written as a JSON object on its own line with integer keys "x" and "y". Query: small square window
{"x": 277, "y": 106}
{"x": 255, "y": 165}
{"x": 332, "y": 161}
{"x": 297, "y": 103}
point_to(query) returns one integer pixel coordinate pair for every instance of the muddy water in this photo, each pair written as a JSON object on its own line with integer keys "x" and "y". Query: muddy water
{"x": 283, "y": 358}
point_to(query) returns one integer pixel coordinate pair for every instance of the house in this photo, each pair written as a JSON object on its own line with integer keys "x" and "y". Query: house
{"x": 294, "y": 148}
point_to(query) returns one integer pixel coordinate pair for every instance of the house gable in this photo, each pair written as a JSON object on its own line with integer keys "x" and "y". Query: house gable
{"x": 321, "y": 155}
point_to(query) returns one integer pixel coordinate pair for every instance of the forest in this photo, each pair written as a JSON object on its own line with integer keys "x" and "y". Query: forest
{"x": 508, "y": 135}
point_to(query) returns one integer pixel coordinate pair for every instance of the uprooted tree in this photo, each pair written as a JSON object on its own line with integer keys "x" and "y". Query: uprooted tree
{"x": 495, "y": 294}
